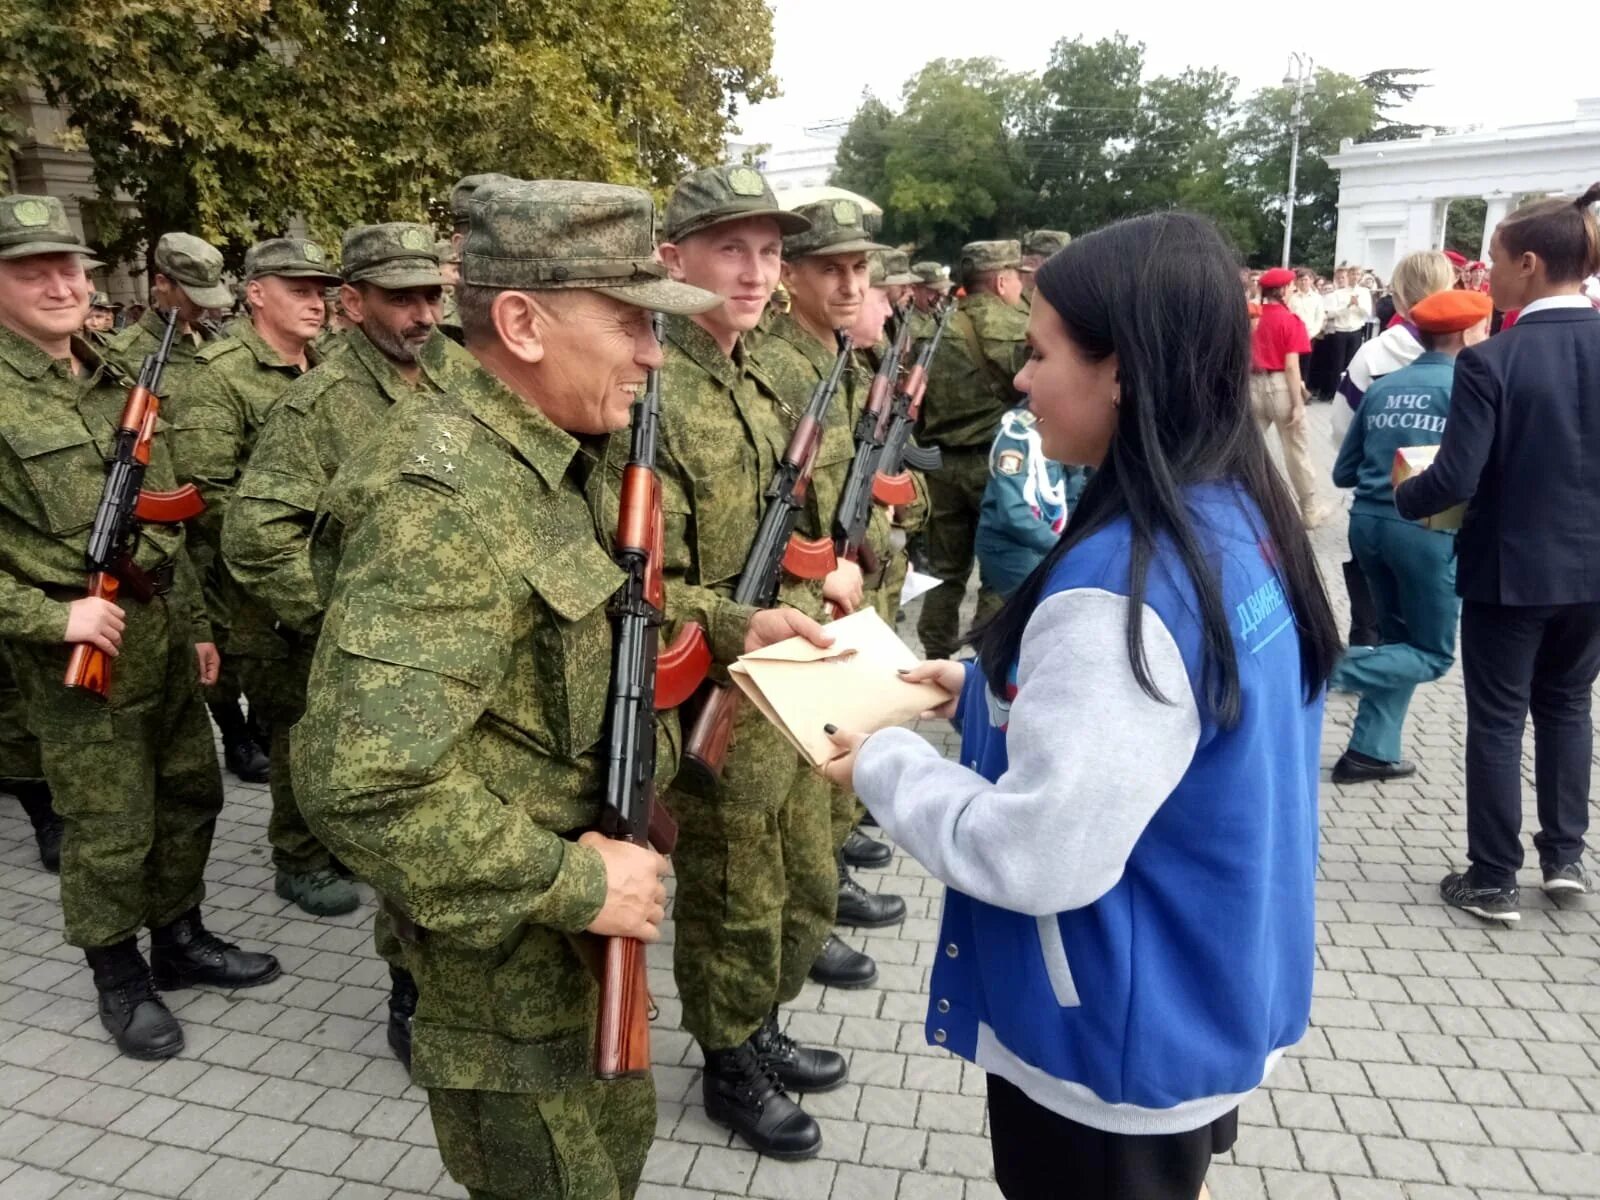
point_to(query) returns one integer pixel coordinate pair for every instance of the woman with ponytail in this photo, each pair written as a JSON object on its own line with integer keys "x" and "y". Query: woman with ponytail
{"x": 1129, "y": 838}
{"x": 1522, "y": 449}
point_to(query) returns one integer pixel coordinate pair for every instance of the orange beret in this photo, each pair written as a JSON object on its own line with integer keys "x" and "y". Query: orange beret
{"x": 1451, "y": 311}
{"x": 1277, "y": 277}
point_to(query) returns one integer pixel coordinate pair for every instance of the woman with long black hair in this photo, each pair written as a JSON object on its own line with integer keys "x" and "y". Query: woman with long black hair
{"x": 1129, "y": 838}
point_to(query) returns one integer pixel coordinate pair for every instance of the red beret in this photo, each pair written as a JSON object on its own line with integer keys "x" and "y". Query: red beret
{"x": 1277, "y": 277}
{"x": 1477, "y": 266}
{"x": 1456, "y": 258}
{"x": 1451, "y": 311}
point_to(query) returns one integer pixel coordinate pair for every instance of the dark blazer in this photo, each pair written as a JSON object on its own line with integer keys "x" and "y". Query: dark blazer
{"x": 1522, "y": 447}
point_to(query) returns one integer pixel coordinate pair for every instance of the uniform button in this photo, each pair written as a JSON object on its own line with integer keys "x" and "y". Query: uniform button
{"x": 939, "y": 1036}
{"x": 943, "y": 1006}
{"x": 952, "y": 950}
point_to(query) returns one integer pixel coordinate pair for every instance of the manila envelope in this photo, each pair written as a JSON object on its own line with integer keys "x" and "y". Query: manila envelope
{"x": 852, "y": 684}
{"x": 1413, "y": 460}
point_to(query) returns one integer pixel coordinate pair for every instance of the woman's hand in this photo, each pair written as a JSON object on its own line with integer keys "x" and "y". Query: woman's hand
{"x": 948, "y": 674}
{"x": 842, "y": 769}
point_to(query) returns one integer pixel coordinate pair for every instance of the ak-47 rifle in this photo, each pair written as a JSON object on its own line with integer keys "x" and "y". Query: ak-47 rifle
{"x": 871, "y": 434}
{"x": 124, "y": 506}
{"x": 776, "y": 549}
{"x": 893, "y": 482}
{"x": 644, "y": 681}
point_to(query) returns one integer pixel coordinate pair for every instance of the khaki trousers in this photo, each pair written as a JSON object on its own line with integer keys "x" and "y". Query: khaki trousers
{"x": 1272, "y": 405}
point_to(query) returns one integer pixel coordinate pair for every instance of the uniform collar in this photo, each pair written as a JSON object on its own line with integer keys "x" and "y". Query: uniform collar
{"x": 786, "y": 328}
{"x": 702, "y": 349}
{"x": 265, "y": 354}
{"x": 33, "y": 363}
{"x": 1549, "y": 303}
{"x": 384, "y": 372}
{"x": 545, "y": 448}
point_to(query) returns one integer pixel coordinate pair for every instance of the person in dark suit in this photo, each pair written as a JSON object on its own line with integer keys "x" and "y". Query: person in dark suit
{"x": 1522, "y": 448}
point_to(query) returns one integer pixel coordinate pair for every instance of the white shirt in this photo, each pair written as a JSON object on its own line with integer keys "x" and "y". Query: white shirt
{"x": 1308, "y": 307}
{"x": 1578, "y": 301}
{"x": 1342, "y": 316}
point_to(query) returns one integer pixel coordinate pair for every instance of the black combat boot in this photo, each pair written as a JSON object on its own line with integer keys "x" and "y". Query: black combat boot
{"x": 35, "y": 797}
{"x": 798, "y": 1068}
{"x": 402, "y": 1007}
{"x": 130, "y": 1009}
{"x": 839, "y": 966}
{"x": 745, "y": 1096}
{"x": 862, "y": 851}
{"x": 184, "y": 953}
{"x": 240, "y": 754}
{"x": 870, "y": 910}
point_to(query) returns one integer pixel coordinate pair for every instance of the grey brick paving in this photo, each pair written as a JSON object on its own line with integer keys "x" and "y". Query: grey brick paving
{"x": 1446, "y": 1061}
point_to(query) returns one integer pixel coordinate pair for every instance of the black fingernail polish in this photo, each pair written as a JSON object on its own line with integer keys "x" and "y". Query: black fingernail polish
{"x": 830, "y": 729}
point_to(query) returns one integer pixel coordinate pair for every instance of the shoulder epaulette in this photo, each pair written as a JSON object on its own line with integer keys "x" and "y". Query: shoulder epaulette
{"x": 437, "y": 447}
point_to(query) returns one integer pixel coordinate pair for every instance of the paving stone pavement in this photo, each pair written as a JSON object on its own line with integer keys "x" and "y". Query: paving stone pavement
{"x": 1446, "y": 1059}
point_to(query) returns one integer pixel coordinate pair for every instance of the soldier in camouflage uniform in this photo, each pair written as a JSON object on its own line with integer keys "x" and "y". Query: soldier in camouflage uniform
{"x": 101, "y": 321}
{"x": 216, "y": 419}
{"x": 392, "y": 292}
{"x": 452, "y": 750}
{"x": 754, "y": 865}
{"x": 134, "y": 776}
{"x": 1038, "y": 245}
{"x": 187, "y": 276}
{"x": 827, "y": 274}
{"x": 21, "y": 774}
{"x": 969, "y": 390}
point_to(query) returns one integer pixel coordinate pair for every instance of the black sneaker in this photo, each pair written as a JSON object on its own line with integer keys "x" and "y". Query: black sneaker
{"x": 1355, "y": 767}
{"x": 1571, "y": 879}
{"x": 1490, "y": 903}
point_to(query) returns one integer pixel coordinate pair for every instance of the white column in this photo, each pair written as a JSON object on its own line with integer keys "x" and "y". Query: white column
{"x": 1498, "y": 207}
{"x": 1421, "y": 228}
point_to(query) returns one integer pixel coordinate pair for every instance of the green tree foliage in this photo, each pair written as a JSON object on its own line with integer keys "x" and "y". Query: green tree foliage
{"x": 234, "y": 118}
{"x": 975, "y": 151}
{"x": 1463, "y": 227}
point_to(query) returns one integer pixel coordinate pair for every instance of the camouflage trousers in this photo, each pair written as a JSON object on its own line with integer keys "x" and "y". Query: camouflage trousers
{"x": 134, "y": 778}
{"x": 277, "y": 691}
{"x": 756, "y": 885}
{"x": 19, "y": 749}
{"x": 955, "y": 495}
{"x": 585, "y": 1143}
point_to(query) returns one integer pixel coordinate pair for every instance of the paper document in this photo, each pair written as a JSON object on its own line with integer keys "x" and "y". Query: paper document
{"x": 1413, "y": 460}
{"x": 917, "y": 584}
{"x": 853, "y": 684}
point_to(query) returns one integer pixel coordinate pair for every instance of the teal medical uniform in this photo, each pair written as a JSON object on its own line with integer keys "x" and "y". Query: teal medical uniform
{"x": 1411, "y": 570}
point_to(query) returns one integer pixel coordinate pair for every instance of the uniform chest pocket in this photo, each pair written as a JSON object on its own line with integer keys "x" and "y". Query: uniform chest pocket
{"x": 727, "y": 504}
{"x": 571, "y": 643}
{"x": 66, "y": 472}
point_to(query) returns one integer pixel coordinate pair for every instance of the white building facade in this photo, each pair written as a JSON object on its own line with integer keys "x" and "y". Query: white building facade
{"x": 1394, "y": 197}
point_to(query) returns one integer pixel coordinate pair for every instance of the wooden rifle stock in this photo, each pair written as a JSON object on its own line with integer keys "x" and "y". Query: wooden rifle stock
{"x": 89, "y": 667}
{"x": 622, "y": 1036}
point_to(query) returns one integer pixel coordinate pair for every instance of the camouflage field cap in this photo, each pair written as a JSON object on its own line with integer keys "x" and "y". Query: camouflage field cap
{"x": 988, "y": 256}
{"x": 195, "y": 265}
{"x": 445, "y": 250}
{"x": 101, "y": 300}
{"x": 837, "y": 227}
{"x": 715, "y": 195}
{"x": 292, "y": 258}
{"x": 896, "y": 268}
{"x": 399, "y": 254}
{"x": 461, "y": 194}
{"x": 38, "y": 225}
{"x": 561, "y": 234}
{"x": 930, "y": 274}
{"x": 1044, "y": 242}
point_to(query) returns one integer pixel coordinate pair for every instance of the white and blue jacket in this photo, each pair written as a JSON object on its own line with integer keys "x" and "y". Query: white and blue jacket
{"x": 1127, "y": 934}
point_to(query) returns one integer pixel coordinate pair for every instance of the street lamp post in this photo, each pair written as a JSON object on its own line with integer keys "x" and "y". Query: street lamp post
{"x": 1299, "y": 78}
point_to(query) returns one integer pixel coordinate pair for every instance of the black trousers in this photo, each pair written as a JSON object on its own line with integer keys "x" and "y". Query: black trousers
{"x": 1041, "y": 1155}
{"x": 1515, "y": 661}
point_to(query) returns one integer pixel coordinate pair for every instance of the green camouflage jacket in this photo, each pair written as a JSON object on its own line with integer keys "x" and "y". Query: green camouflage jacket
{"x": 452, "y": 746}
{"x": 319, "y": 420}
{"x": 795, "y": 362}
{"x": 128, "y": 348}
{"x": 57, "y": 432}
{"x": 966, "y": 398}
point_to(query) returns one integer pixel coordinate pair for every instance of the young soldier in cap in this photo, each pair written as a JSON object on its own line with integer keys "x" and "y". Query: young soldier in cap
{"x": 1037, "y": 246}
{"x": 391, "y": 293}
{"x": 932, "y": 284}
{"x": 969, "y": 390}
{"x": 1278, "y": 394}
{"x": 897, "y": 277}
{"x": 102, "y": 319}
{"x": 1410, "y": 569}
{"x": 827, "y": 274}
{"x": 754, "y": 865}
{"x": 452, "y": 750}
{"x": 133, "y": 775}
{"x": 216, "y": 418}
{"x": 187, "y": 276}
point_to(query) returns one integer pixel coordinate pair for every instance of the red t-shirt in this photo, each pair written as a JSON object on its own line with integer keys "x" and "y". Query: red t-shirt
{"x": 1277, "y": 334}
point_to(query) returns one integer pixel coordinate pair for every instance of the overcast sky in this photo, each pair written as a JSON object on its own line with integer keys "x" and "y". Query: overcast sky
{"x": 827, "y": 51}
